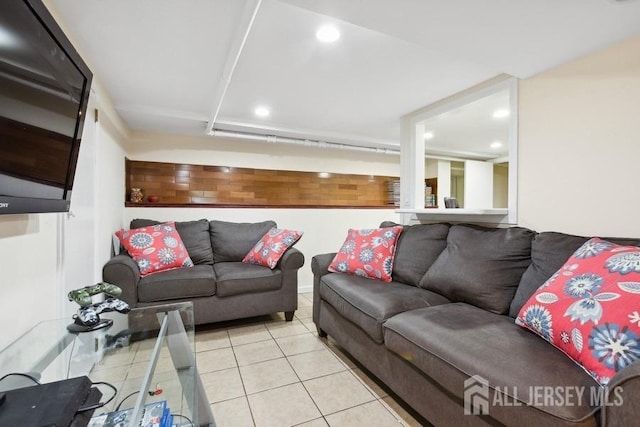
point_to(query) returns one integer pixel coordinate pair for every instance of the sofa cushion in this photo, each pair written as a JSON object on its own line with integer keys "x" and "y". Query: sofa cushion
{"x": 234, "y": 278}
{"x": 589, "y": 308}
{"x": 231, "y": 241}
{"x": 369, "y": 303}
{"x": 194, "y": 234}
{"x": 481, "y": 266}
{"x": 270, "y": 248}
{"x": 368, "y": 253}
{"x": 184, "y": 283}
{"x": 549, "y": 252}
{"x": 451, "y": 343}
{"x": 155, "y": 248}
{"x": 417, "y": 249}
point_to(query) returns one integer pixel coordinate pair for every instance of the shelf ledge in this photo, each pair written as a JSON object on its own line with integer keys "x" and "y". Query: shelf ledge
{"x": 453, "y": 211}
{"x": 490, "y": 216}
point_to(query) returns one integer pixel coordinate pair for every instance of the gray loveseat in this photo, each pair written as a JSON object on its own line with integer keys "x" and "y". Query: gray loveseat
{"x": 220, "y": 286}
{"x": 448, "y": 317}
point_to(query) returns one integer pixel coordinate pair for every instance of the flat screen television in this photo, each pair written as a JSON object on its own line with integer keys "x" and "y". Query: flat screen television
{"x": 44, "y": 91}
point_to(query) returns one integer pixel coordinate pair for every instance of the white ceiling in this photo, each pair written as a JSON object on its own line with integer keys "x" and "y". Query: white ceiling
{"x": 167, "y": 63}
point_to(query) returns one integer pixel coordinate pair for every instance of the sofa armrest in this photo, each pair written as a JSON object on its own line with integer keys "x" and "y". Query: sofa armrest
{"x": 621, "y": 406}
{"x": 319, "y": 267}
{"x": 122, "y": 271}
{"x": 320, "y": 263}
{"x": 292, "y": 259}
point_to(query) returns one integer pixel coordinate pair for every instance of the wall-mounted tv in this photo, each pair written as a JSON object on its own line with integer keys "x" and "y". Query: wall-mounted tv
{"x": 44, "y": 91}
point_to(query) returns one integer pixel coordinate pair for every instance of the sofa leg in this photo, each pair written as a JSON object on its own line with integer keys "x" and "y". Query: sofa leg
{"x": 288, "y": 315}
{"x": 321, "y": 333}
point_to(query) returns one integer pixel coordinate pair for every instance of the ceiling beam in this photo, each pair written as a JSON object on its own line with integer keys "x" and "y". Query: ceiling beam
{"x": 238, "y": 41}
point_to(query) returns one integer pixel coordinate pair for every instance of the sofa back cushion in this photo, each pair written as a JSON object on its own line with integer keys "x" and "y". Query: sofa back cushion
{"x": 549, "y": 252}
{"x": 231, "y": 241}
{"x": 194, "y": 235}
{"x": 481, "y": 266}
{"x": 417, "y": 249}
{"x": 588, "y": 308}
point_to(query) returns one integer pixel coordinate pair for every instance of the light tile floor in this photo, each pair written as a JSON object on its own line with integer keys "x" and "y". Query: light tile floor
{"x": 267, "y": 372}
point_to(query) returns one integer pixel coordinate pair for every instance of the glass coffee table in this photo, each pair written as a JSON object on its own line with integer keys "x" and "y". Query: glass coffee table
{"x": 147, "y": 355}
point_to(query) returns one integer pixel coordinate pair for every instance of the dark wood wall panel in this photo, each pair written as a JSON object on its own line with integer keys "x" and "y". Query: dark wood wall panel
{"x": 183, "y": 184}
{"x": 43, "y": 154}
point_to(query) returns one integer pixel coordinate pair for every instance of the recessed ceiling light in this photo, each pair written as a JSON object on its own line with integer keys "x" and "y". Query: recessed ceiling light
{"x": 7, "y": 39}
{"x": 428, "y": 135}
{"x": 496, "y": 144}
{"x": 261, "y": 111}
{"x": 328, "y": 34}
{"x": 501, "y": 114}
{"x": 324, "y": 174}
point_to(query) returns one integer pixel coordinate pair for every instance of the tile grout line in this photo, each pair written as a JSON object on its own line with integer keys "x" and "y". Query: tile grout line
{"x": 346, "y": 367}
{"x": 244, "y": 389}
{"x": 302, "y": 384}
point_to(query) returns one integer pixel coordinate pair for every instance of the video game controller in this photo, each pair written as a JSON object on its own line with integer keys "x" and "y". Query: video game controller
{"x": 89, "y": 316}
{"x": 83, "y": 296}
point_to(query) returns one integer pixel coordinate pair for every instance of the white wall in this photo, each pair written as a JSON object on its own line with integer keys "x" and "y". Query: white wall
{"x": 579, "y": 145}
{"x": 324, "y": 229}
{"x": 204, "y": 150}
{"x": 110, "y": 170}
{"x": 478, "y": 177}
{"x": 29, "y": 288}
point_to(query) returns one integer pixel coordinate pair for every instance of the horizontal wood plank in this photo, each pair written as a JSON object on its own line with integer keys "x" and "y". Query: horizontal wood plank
{"x": 220, "y": 186}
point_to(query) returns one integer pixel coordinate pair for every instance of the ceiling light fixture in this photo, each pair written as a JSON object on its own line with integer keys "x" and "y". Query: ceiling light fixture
{"x": 327, "y": 34}
{"x": 428, "y": 135}
{"x": 261, "y": 112}
{"x": 501, "y": 114}
{"x": 7, "y": 39}
{"x": 496, "y": 144}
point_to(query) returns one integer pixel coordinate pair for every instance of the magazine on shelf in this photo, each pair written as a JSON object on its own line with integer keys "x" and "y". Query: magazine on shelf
{"x": 156, "y": 414}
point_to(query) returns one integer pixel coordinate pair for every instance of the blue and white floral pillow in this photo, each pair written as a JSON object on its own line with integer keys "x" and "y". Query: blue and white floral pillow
{"x": 155, "y": 248}
{"x": 590, "y": 308}
{"x": 270, "y": 248}
{"x": 368, "y": 253}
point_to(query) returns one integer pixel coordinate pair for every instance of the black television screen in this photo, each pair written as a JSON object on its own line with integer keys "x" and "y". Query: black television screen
{"x": 44, "y": 91}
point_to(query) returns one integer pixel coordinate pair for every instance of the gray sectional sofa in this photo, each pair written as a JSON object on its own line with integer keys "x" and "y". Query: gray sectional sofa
{"x": 220, "y": 286}
{"x": 448, "y": 317}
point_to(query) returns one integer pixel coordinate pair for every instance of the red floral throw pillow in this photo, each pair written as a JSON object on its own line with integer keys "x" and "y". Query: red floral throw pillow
{"x": 368, "y": 253}
{"x": 155, "y": 248}
{"x": 590, "y": 308}
{"x": 270, "y": 248}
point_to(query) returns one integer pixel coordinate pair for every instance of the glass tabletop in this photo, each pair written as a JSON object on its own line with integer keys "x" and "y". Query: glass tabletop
{"x": 147, "y": 355}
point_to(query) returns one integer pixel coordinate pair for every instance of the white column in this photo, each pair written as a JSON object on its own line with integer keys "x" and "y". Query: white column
{"x": 412, "y": 165}
{"x": 444, "y": 181}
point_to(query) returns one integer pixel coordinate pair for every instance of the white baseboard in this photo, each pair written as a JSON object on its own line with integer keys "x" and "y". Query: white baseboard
{"x": 305, "y": 289}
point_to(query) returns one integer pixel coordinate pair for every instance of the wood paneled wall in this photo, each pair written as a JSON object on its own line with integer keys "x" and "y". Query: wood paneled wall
{"x": 34, "y": 154}
{"x": 183, "y": 184}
